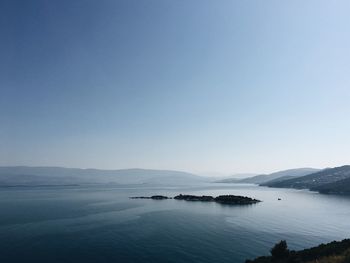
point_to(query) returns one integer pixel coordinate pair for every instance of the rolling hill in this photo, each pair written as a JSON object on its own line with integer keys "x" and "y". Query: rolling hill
{"x": 279, "y": 179}
{"x": 263, "y": 178}
{"x": 24, "y": 175}
{"x": 338, "y": 187}
{"x": 331, "y": 180}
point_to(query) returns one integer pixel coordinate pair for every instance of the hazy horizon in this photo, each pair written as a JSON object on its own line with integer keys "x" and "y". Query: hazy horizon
{"x": 197, "y": 86}
{"x": 203, "y": 174}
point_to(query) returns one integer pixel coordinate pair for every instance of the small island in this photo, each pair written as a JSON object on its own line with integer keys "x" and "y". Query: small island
{"x": 222, "y": 199}
{"x": 235, "y": 200}
{"x": 154, "y": 197}
{"x": 203, "y": 198}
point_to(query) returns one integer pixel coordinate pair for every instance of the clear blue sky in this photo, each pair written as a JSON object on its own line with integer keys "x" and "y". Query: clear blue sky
{"x": 196, "y": 85}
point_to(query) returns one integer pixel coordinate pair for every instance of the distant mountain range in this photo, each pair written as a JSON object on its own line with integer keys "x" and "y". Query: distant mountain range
{"x": 277, "y": 176}
{"x": 330, "y": 180}
{"x": 26, "y": 176}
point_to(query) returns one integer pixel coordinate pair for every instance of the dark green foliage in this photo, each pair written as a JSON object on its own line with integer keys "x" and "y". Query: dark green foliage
{"x": 203, "y": 198}
{"x": 280, "y": 251}
{"x": 235, "y": 199}
{"x": 338, "y": 187}
{"x": 155, "y": 197}
{"x": 223, "y": 199}
{"x": 281, "y": 254}
{"x": 333, "y": 248}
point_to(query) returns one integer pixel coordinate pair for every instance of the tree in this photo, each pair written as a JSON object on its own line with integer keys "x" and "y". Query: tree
{"x": 280, "y": 250}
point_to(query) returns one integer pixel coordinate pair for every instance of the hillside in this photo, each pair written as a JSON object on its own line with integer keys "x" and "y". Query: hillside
{"x": 23, "y": 175}
{"x": 326, "y": 178}
{"x": 263, "y": 178}
{"x": 338, "y": 187}
{"x": 279, "y": 179}
{"x": 228, "y": 180}
{"x": 234, "y": 178}
{"x": 334, "y": 252}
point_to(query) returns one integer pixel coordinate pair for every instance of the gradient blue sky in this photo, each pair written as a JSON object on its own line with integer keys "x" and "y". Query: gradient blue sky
{"x": 195, "y": 85}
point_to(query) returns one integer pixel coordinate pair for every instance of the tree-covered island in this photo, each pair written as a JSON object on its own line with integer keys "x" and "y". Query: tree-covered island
{"x": 222, "y": 199}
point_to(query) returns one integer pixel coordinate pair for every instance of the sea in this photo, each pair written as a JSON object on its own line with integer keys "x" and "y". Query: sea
{"x": 101, "y": 224}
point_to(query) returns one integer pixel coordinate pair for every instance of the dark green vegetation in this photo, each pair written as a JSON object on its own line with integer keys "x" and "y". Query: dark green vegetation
{"x": 334, "y": 252}
{"x": 333, "y": 181}
{"x": 154, "y": 197}
{"x": 203, "y": 198}
{"x": 338, "y": 187}
{"x": 234, "y": 199}
{"x": 263, "y": 178}
{"x": 223, "y": 199}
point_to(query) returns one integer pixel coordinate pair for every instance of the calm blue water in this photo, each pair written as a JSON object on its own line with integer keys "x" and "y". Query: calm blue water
{"x": 101, "y": 224}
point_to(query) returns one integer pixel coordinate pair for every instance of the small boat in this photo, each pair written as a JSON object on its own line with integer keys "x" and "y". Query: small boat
{"x": 279, "y": 199}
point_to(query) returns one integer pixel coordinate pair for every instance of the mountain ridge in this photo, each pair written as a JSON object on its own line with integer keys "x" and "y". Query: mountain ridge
{"x": 330, "y": 180}
{"x": 32, "y": 175}
{"x": 263, "y": 178}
